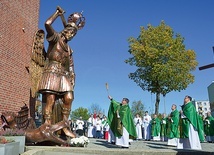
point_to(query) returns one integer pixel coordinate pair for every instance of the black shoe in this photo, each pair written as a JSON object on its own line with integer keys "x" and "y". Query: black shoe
{"x": 123, "y": 147}
{"x": 129, "y": 143}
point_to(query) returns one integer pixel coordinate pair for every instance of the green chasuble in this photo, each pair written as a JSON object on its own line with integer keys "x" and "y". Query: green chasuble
{"x": 155, "y": 127}
{"x": 201, "y": 127}
{"x": 209, "y": 126}
{"x": 163, "y": 127}
{"x": 173, "y": 125}
{"x": 125, "y": 119}
{"x": 191, "y": 117}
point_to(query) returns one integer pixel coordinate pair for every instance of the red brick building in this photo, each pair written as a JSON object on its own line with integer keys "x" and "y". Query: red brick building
{"x": 19, "y": 22}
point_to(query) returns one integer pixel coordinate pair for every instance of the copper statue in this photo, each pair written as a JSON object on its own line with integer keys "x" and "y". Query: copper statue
{"x": 58, "y": 78}
{"x": 52, "y": 75}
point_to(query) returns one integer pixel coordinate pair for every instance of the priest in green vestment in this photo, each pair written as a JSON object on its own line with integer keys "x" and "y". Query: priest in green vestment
{"x": 190, "y": 128}
{"x": 173, "y": 126}
{"x": 209, "y": 128}
{"x": 201, "y": 126}
{"x": 155, "y": 122}
{"x": 163, "y": 127}
{"x": 121, "y": 122}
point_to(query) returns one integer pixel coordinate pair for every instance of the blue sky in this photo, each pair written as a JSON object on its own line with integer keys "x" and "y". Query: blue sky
{"x": 101, "y": 47}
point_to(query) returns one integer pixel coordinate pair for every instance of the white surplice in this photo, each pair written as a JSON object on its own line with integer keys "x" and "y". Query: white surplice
{"x": 172, "y": 141}
{"x": 90, "y": 127}
{"x": 192, "y": 142}
{"x": 124, "y": 139}
{"x": 138, "y": 125}
{"x": 147, "y": 127}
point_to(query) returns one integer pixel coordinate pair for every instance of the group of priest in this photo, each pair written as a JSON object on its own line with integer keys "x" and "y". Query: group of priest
{"x": 185, "y": 129}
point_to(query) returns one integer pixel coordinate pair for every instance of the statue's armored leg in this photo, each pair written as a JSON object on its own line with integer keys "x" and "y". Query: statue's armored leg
{"x": 48, "y": 108}
{"x": 68, "y": 98}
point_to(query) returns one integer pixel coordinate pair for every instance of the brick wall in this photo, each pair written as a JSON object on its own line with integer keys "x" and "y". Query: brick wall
{"x": 15, "y": 50}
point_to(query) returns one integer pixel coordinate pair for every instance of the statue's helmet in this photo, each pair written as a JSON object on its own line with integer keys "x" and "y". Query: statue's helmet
{"x": 77, "y": 19}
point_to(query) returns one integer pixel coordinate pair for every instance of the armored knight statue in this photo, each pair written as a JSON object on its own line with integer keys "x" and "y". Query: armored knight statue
{"x": 58, "y": 77}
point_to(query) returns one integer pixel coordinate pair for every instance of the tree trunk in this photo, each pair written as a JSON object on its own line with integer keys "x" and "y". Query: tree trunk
{"x": 157, "y": 103}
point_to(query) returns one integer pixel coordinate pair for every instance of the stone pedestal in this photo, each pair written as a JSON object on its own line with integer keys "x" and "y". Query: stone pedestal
{"x": 9, "y": 148}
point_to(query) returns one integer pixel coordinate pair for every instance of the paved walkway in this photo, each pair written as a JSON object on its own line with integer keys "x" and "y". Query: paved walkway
{"x": 101, "y": 147}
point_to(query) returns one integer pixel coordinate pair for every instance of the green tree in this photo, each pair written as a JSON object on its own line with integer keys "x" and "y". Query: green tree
{"x": 83, "y": 112}
{"x": 137, "y": 107}
{"x": 163, "y": 64}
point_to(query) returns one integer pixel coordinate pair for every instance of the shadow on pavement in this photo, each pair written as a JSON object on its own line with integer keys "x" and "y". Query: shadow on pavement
{"x": 105, "y": 144}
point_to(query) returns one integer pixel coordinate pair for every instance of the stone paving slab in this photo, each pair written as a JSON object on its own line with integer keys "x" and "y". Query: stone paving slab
{"x": 101, "y": 147}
